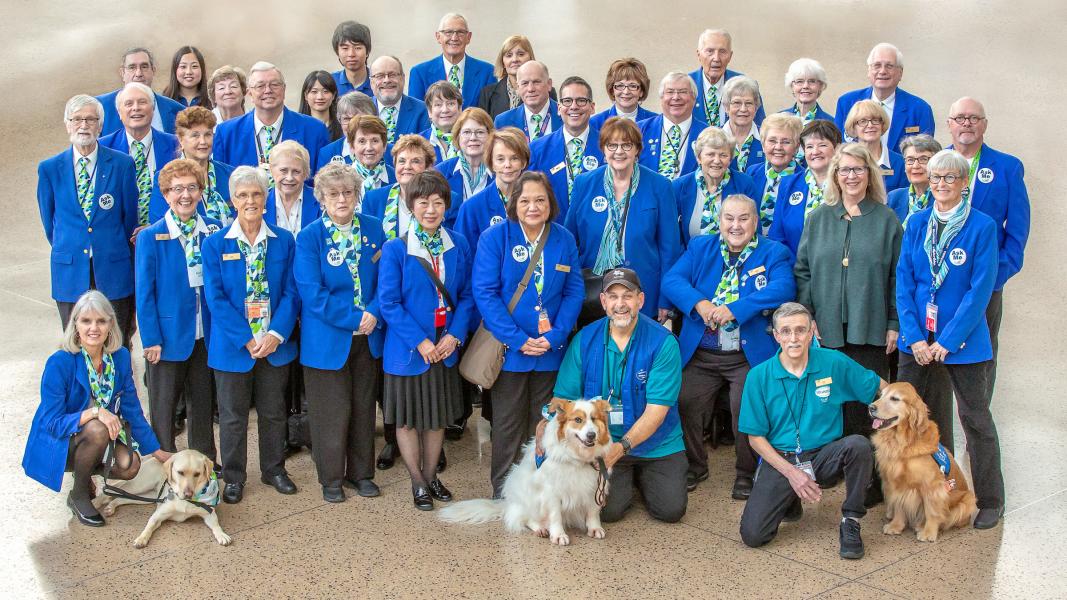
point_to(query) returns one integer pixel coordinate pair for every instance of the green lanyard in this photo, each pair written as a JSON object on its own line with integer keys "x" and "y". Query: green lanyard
{"x": 622, "y": 368}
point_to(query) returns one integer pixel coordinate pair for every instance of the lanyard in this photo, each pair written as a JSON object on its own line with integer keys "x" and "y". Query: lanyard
{"x": 681, "y": 143}
{"x": 543, "y": 125}
{"x": 796, "y": 416}
{"x": 435, "y": 261}
{"x": 259, "y": 147}
{"x": 625, "y": 358}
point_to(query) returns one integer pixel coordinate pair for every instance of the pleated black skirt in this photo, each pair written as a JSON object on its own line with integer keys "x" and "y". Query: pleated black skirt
{"x": 423, "y": 402}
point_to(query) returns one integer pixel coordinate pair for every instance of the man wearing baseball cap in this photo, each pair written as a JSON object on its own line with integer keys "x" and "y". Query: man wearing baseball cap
{"x": 633, "y": 362}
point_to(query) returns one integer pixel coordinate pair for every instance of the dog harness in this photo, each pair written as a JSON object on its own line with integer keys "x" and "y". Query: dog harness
{"x": 942, "y": 460}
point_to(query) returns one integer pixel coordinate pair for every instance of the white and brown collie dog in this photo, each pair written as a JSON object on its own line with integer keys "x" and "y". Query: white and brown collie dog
{"x": 568, "y": 488}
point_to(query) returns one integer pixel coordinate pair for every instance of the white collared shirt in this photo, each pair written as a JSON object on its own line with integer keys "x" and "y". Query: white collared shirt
{"x": 685, "y": 126}
{"x": 404, "y": 218}
{"x": 157, "y": 119}
{"x": 382, "y": 106}
{"x": 462, "y": 67}
{"x": 149, "y": 149}
{"x": 546, "y": 120}
{"x": 718, "y": 90}
{"x": 417, "y": 249}
{"x": 889, "y": 103}
{"x": 740, "y": 140}
{"x": 176, "y": 234}
{"x": 289, "y": 221}
{"x": 627, "y": 115}
{"x": 236, "y": 233}
{"x": 467, "y": 191}
{"x": 90, "y": 167}
{"x": 261, "y": 135}
{"x": 883, "y": 160}
{"x": 567, "y": 137}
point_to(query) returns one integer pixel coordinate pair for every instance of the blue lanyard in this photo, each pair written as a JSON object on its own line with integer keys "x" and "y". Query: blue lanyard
{"x": 793, "y": 415}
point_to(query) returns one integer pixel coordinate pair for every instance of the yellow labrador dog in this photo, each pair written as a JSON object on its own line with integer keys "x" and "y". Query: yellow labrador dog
{"x": 185, "y": 484}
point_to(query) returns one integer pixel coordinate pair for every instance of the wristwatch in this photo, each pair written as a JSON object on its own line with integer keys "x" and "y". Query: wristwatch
{"x": 96, "y": 411}
{"x": 625, "y": 445}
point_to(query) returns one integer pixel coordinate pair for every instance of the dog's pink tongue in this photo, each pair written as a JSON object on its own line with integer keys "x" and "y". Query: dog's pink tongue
{"x": 876, "y": 424}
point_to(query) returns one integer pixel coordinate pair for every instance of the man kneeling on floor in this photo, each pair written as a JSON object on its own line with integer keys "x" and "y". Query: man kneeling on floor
{"x": 791, "y": 410}
{"x": 633, "y": 362}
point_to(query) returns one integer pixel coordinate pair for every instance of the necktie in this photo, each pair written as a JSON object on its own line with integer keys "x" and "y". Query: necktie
{"x": 85, "y": 187}
{"x": 256, "y": 287}
{"x": 392, "y": 206}
{"x": 453, "y": 77}
{"x": 144, "y": 182}
{"x": 389, "y": 116}
{"x": 668, "y": 157}
{"x": 574, "y": 160}
{"x": 535, "y": 130}
{"x": 711, "y": 106}
{"x": 267, "y": 146}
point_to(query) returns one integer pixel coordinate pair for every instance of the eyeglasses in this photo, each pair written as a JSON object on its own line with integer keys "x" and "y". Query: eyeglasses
{"x": 911, "y": 161}
{"x": 949, "y": 179}
{"x": 626, "y": 87}
{"x": 451, "y": 33}
{"x": 788, "y": 332}
{"x": 735, "y": 104}
{"x": 776, "y": 142}
{"x": 274, "y": 86}
{"x": 871, "y": 121}
{"x": 334, "y": 194}
{"x": 192, "y": 188}
{"x": 681, "y": 92}
{"x": 802, "y": 82}
{"x": 878, "y": 66}
{"x": 135, "y": 68}
{"x": 967, "y": 119}
{"x": 473, "y": 133}
{"x": 85, "y": 120}
{"x": 614, "y": 147}
{"x": 579, "y": 102}
{"x": 846, "y": 171}
{"x": 390, "y": 75}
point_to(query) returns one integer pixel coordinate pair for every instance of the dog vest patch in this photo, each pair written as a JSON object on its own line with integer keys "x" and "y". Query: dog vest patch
{"x": 944, "y": 464}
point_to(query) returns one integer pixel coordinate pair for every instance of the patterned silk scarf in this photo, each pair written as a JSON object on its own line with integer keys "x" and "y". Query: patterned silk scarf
{"x": 770, "y": 192}
{"x": 730, "y": 284}
{"x": 349, "y": 244}
{"x": 937, "y": 251}
{"x": 256, "y": 286}
{"x": 611, "y": 252}
{"x": 712, "y": 202}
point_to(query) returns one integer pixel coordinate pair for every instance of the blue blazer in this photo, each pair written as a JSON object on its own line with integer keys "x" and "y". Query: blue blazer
{"x": 164, "y": 146}
{"x": 597, "y": 121}
{"x": 652, "y": 130}
{"x": 476, "y": 75}
{"x": 111, "y": 223}
{"x": 651, "y": 241}
{"x": 698, "y": 108}
{"x": 375, "y": 200}
{"x": 310, "y": 210}
{"x": 64, "y": 395}
{"x": 1003, "y": 197}
{"x": 427, "y": 133}
{"x": 895, "y": 177}
{"x": 516, "y": 117}
{"x": 235, "y": 140}
{"x": 755, "y": 155}
{"x": 412, "y": 117}
{"x": 480, "y": 212}
{"x": 766, "y": 282}
{"x": 496, "y": 276}
{"x": 961, "y": 301}
{"x": 328, "y": 316}
{"x": 168, "y": 109}
{"x": 819, "y": 112}
{"x": 332, "y": 153}
{"x": 789, "y": 217}
{"x": 408, "y": 300}
{"x": 224, "y": 286}
{"x": 166, "y": 305}
{"x": 911, "y": 114}
{"x": 157, "y": 206}
{"x": 343, "y": 85}
{"x": 898, "y": 201}
{"x": 759, "y": 177}
{"x": 449, "y": 168}
{"x": 685, "y": 194}
{"x": 549, "y": 156}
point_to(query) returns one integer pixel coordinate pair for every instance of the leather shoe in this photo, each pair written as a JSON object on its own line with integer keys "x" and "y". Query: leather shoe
{"x": 423, "y": 501}
{"x": 455, "y": 431}
{"x": 988, "y": 517}
{"x": 442, "y": 463}
{"x": 92, "y": 519}
{"x": 386, "y": 458}
{"x": 795, "y": 511}
{"x": 364, "y": 487}
{"x": 742, "y": 488}
{"x": 439, "y": 491}
{"x": 280, "y": 482}
{"x": 693, "y": 479}
{"x": 233, "y": 492}
{"x": 333, "y": 494}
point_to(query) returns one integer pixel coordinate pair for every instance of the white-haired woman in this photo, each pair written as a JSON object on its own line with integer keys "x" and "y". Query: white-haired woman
{"x": 742, "y": 100}
{"x": 291, "y": 203}
{"x": 780, "y": 135}
{"x": 806, "y": 81}
{"x": 87, "y": 391}
{"x": 700, "y": 194}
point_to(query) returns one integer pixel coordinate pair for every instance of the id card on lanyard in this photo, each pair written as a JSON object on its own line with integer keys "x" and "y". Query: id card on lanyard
{"x": 805, "y": 466}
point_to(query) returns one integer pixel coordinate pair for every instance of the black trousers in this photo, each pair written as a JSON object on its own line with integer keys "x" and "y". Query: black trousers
{"x": 994, "y": 312}
{"x": 517, "y": 401}
{"x": 167, "y": 381}
{"x": 341, "y": 416}
{"x": 851, "y": 457}
{"x": 856, "y": 417}
{"x": 265, "y": 384}
{"x": 702, "y": 379}
{"x": 662, "y": 483}
{"x": 973, "y": 385}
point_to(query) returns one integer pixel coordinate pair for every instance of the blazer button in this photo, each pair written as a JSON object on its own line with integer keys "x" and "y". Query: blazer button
{"x": 90, "y": 230}
{"x": 744, "y": 341}
{"x": 85, "y": 251}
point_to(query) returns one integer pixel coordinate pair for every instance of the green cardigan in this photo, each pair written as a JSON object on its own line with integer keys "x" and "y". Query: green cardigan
{"x": 861, "y": 294}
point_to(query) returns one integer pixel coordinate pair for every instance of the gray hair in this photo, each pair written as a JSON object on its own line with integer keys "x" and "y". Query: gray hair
{"x": 263, "y": 65}
{"x": 675, "y": 76}
{"x": 79, "y": 102}
{"x": 885, "y": 46}
{"x": 789, "y": 309}
{"x": 292, "y": 149}
{"x": 399, "y": 64}
{"x": 246, "y": 175}
{"x": 749, "y": 203}
{"x": 335, "y": 173}
{"x": 449, "y": 17}
{"x": 805, "y": 67}
{"x": 356, "y": 102}
{"x": 140, "y": 87}
{"x": 713, "y": 138}
{"x": 135, "y": 50}
{"x": 92, "y": 300}
{"x": 740, "y": 85}
{"x": 921, "y": 142}
{"x": 711, "y": 32}
{"x": 951, "y": 161}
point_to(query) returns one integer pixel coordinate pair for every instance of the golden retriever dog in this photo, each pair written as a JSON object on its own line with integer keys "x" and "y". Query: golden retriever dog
{"x": 185, "y": 484}
{"x": 918, "y": 494}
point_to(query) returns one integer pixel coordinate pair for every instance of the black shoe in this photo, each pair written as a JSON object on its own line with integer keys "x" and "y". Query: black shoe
{"x": 988, "y": 517}
{"x": 795, "y": 511}
{"x": 442, "y": 463}
{"x": 387, "y": 457}
{"x": 423, "y": 501}
{"x": 233, "y": 492}
{"x": 693, "y": 479}
{"x": 874, "y": 496}
{"x": 333, "y": 494}
{"x": 280, "y": 482}
{"x": 87, "y": 514}
{"x": 364, "y": 487}
{"x": 439, "y": 491}
{"x": 455, "y": 431}
{"x": 851, "y": 542}
{"x": 742, "y": 488}
{"x": 179, "y": 424}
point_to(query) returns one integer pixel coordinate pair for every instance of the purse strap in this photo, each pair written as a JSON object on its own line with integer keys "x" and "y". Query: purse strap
{"x": 434, "y": 278}
{"x": 519, "y": 291}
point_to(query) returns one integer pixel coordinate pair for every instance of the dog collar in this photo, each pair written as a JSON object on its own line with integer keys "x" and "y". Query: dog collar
{"x": 944, "y": 464}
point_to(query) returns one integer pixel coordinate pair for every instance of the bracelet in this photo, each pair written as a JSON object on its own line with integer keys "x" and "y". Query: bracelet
{"x": 96, "y": 411}
{"x": 625, "y": 445}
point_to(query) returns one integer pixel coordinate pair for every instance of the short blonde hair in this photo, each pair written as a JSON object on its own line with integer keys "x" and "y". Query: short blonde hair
{"x": 222, "y": 74}
{"x": 511, "y": 138}
{"x": 875, "y": 183}
{"x": 417, "y": 143}
{"x": 292, "y": 149}
{"x": 181, "y": 167}
{"x": 475, "y": 114}
{"x": 786, "y": 121}
{"x": 866, "y": 109}
{"x": 715, "y": 138}
{"x": 515, "y": 41}
{"x": 92, "y": 300}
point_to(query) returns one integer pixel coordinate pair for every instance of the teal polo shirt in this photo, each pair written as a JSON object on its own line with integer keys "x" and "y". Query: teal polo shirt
{"x": 664, "y": 383}
{"x": 775, "y": 403}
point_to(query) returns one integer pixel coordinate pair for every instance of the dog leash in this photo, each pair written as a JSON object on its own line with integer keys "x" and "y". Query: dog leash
{"x": 600, "y": 496}
{"x": 111, "y": 490}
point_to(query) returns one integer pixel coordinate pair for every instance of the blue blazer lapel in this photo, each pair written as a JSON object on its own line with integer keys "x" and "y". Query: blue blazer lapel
{"x": 980, "y": 190}
{"x": 104, "y": 166}
{"x": 81, "y": 377}
{"x": 451, "y": 273}
{"x": 67, "y": 180}
{"x": 290, "y": 127}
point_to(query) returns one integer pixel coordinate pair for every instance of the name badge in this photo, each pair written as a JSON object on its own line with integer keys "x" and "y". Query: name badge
{"x": 558, "y": 168}
{"x": 757, "y": 271}
{"x": 161, "y": 237}
{"x": 257, "y": 309}
{"x": 931, "y": 317}
{"x": 563, "y": 268}
{"x": 196, "y": 276}
{"x": 232, "y": 256}
{"x": 912, "y": 129}
{"x": 107, "y": 201}
{"x": 615, "y": 417}
{"x": 824, "y": 381}
{"x": 544, "y": 324}
{"x": 376, "y": 256}
{"x": 887, "y": 172}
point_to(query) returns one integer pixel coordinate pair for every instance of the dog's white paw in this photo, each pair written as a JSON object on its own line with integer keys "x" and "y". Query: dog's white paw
{"x": 561, "y": 539}
{"x": 222, "y": 538}
{"x": 890, "y": 529}
{"x": 107, "y": 510}
{"x": 141, "y": 541}
{"x": 596, "y": 532}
